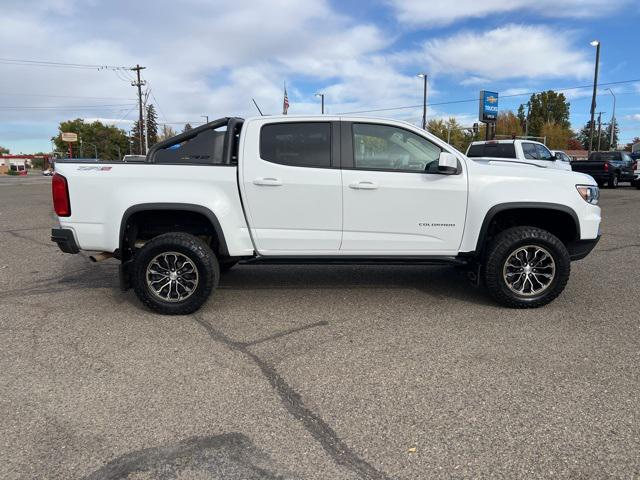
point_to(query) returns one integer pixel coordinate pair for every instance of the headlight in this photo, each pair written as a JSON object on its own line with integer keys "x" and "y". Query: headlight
{"x": 589, "y": 193}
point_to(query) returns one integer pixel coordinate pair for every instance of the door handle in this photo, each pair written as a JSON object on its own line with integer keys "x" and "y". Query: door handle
{"x": 270, "y": 182}
{"x": 363, "y": 185}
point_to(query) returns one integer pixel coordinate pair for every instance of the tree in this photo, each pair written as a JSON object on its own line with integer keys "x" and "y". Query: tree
{"x": 187, "y": 127}
{"x": 616, "y": 131}
{"x": 508, "y": 124}
{"x": 556, "y": 136}
{"x": 109, "y": 140}
{"x": 628, "y": 146}
{"x": 585, "y": 133}
{"x": 135, "y": 139}
{"x": 451, "y": 131}
{"x": 152, "y": 125}
{"x": 4, "y": 151}
{"x": 546, "y": 107}
{"x": 167, "y": 132}
{"x": 574, "y": 144}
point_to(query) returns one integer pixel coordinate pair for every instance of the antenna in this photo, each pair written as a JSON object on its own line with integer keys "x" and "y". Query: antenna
{"x": 260, "y": 111}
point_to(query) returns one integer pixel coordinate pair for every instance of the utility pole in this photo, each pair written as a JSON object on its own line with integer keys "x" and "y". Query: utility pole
{"x": 424, "y": 101}
{"x": 526, "y": 120}
{"x": 139, "y": 83}
{"x": 613, "y": 120}
{"x": 206, "y": 117}
{"x": 321, "y": 95}
{"x": 599, "y": 128}
{"x": 596, "y": 44}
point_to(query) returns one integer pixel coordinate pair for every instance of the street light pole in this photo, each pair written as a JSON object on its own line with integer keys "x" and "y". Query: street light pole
{"x": 321, "y": 95}
{"x": 594, "y": 43}
{"x": 424, "y": 101}
{"x": 613, "y": 119}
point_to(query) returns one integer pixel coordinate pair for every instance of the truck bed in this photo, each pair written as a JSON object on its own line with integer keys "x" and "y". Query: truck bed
{"x": 102, "y": 192}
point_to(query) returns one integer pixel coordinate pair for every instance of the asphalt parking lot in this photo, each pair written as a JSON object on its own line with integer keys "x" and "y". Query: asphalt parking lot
{"x": 315, "y": 372}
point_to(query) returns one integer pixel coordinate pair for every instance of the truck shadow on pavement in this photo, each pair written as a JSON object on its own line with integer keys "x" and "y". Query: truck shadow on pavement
{"x": 229, "y": 456}
{"x": 435, "y": 281}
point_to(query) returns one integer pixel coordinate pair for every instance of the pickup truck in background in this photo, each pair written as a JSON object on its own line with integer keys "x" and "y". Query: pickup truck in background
{"x": 608, "y": 168}
{"x": 322, "y": 190}
{"x": 522, "y": 151}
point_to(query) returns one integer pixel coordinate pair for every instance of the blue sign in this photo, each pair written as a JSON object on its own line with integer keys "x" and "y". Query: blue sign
{"x": 488, "y": 106}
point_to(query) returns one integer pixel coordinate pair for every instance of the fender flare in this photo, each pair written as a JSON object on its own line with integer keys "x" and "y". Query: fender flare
{"x": 187, "y": 207}
{"x": 501, "y": 207}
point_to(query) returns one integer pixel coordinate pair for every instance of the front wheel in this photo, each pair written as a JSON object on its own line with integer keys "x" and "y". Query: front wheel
{"x": 526, "y": 267}
{"x": 174, "y": 273}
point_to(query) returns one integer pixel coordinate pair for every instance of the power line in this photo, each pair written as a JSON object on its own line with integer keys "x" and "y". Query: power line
{"x": 468, "y": 100}
{"x": 43, "y": 63}
{"x": 60, "y": 107}
{"x": 60, "y": 96}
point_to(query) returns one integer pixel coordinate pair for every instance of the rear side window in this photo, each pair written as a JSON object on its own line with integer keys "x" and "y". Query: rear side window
{"x": 297, "y": 144}
{"x": 529, "y": 150}
{"x": 496, "y": 150}
{"x": 205, "y": 148}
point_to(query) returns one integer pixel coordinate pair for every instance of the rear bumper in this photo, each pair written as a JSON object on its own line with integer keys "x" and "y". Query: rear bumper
{"x": 581, "y": 248}
{"x": 65, "y": 240}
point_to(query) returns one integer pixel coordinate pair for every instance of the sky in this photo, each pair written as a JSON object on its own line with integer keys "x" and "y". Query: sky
{"x": 211, "y": 57}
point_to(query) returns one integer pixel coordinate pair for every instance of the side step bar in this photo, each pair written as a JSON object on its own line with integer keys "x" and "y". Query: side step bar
{"x": 353, "y": 260}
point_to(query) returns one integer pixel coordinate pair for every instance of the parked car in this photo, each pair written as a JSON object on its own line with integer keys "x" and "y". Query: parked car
{"x": 323, "y": 190}
{"x": 563, "y": 157}
{"x": 134, "y": 158}
{"x": 607, "y": 167}
{"x": 48, "y": 172}
{"x": 522, "y": 151}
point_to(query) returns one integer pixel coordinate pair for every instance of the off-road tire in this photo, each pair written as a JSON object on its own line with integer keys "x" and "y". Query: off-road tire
{"x": 500, "y": 249}
{"x": 195, "y": 250}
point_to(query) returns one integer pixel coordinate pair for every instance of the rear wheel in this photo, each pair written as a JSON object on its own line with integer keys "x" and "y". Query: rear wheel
{"x": 613, "y": 181}
{"x": 526, "y": 267}
{"x": 175, "y": 273}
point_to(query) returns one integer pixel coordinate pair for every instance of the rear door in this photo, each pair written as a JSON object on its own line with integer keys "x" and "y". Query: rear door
{"x": 291, "y": 183}
{"x": 395, "y": 201}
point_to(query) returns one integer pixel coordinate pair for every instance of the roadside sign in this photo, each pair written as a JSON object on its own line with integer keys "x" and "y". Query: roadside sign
{"x": 488, "y": 112}
{"x": 69, "y": 137}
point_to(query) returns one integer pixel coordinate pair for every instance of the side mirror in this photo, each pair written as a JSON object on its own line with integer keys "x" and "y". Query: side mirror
{"x": 447, "y": 163}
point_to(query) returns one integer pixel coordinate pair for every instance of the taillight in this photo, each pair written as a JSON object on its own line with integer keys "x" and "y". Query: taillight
{"x": 606, "y": 167}
{"x": 60, "y": 192}
{"x": 634, "y": 165}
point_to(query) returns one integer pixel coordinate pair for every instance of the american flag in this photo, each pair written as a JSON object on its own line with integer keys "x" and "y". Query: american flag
{"x": 285, "y": 102}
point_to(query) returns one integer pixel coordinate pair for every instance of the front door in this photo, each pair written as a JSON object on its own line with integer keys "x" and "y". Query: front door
{"x": 293, "y": 189}
{"x": 395, "y": 201}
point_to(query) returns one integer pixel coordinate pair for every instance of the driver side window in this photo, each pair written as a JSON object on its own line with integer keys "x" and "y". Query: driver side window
{"x": 382, "y": 147}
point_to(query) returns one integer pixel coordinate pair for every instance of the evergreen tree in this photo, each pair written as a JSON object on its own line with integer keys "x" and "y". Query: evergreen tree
{"x": 187, "y": 127}
{"x": 605, "y": 133}
{"x": 135, "y": 139}
{"x": 152, "y": 125}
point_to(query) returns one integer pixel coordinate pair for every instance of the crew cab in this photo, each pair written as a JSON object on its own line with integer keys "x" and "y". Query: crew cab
{"x": 322, "y": 190}
{"x": 607, "y": 167}
{"x": 523, "y": 151}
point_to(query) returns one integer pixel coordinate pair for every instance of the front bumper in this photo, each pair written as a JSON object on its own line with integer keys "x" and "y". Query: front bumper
{"x": 65, "y": 240}
{"x": 581, "y": 248}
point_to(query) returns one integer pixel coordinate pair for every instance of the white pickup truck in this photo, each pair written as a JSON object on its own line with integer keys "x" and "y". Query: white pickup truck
{"x": 522, "y": 151}
{"x": 322, "y": 190}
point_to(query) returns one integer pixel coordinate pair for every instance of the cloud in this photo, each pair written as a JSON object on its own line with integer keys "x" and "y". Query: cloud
{"x": 498, "y": 54}
{"x": 635, "y": 117}
{"x": 443, "y": 12}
